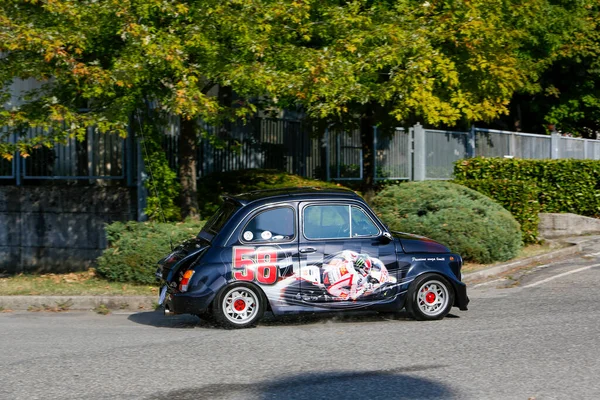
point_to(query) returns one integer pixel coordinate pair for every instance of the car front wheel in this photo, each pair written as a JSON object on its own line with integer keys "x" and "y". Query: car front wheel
{"x": 430, "y": 297}
{"x": 239, "y": 306}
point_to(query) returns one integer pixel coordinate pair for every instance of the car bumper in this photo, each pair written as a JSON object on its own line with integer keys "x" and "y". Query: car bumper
{"x": 461, "y": 299}
{"x": 188, "y": 303}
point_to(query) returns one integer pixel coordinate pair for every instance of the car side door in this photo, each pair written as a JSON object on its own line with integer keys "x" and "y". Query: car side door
{"x": 266, "y": 249}
{"x": 343, "y": 256}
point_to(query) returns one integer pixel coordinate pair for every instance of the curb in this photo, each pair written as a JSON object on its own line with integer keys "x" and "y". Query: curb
{"x": 148, "y": 303}
{"x": 574, "y": 248}
{"x": 73, "y": 303}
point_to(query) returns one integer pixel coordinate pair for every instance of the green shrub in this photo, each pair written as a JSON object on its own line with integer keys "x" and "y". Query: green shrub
{"x": 518, "y": 197}
{"x": 214, "y": 185}
{"x": 466, "y": 221}
{"x": 564, "y": 185}
{"x": 135, "y": 248}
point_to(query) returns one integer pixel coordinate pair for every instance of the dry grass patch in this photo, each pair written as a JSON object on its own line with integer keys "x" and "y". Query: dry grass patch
{"x": 70, "y": 284}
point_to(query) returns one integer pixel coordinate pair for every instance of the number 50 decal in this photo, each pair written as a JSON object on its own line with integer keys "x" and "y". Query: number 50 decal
{"x": 250, "y": 264}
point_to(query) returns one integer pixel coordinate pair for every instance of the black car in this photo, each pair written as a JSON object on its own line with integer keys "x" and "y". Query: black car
{"x": 306, "y": 250}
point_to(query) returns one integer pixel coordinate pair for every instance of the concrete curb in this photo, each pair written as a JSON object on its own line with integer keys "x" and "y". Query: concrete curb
{"x": 147, "y": 303}
{"x": 574, "y": 248}
{"x": 72, "y": 303}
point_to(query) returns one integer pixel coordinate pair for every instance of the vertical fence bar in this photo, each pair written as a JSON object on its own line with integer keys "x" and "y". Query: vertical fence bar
{"x": 555, "y": 145}
{"x": 511, "y": 144}
{"x": 374, "y": 154}
{"x": 18, "y": 176}
{"x": 420, "y": 153}
{"x": 327, "y": 155}
{"x": 471, "y": 142}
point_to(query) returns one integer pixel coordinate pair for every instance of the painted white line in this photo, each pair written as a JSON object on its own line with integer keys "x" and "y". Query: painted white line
{"x": 592, "y": 254}
{"x": 487, "y": 283}
{"x": 561, "y": 275}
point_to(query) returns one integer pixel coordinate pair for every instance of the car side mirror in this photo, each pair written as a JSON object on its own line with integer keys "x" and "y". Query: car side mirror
{"x": 386, "y": 237}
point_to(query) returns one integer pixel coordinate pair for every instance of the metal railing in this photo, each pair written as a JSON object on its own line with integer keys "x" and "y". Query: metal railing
{"x": 296, "y": 147}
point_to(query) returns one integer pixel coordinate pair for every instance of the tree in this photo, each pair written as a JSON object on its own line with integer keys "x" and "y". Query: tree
{"x": 100, "y": 61}
{"x": 367, "y": 62}
{"x": 352, "y": 63}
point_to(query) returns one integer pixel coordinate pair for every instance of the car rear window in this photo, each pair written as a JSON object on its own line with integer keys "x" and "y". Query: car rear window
{"x": 220, "y": 218}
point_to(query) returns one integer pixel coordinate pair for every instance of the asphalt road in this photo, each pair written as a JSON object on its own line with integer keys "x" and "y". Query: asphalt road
{"x": 534, "y": 335}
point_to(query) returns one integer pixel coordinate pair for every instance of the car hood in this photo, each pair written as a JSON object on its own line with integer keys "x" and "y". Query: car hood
{"x": 419, "y": 244}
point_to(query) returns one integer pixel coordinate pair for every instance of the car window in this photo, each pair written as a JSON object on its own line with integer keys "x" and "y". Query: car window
{"x": 337, "y": 222}
{"x": 326, "y": 222}
{"x": 218, "y": 220}
{"x": 362, "y": 225}
{"x": 271, "y": 226}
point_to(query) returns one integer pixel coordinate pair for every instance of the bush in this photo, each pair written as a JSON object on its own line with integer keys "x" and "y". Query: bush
{"x": 518, "y": 197}
{"x": 214, "y": 185}
{"x": 135, "y": 248}
{"x": 564, "y": 185}
{"x": 466, "y": 221}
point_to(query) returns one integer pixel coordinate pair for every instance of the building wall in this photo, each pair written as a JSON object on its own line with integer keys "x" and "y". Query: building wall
{"x": 58, "y": 228}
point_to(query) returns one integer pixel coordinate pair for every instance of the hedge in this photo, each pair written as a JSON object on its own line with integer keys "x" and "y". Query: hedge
{"x": 518, "y": 197}
{"x": 565, "y": 185}
{"x": 466, "y": 221}
{"x": 136, "y": 247}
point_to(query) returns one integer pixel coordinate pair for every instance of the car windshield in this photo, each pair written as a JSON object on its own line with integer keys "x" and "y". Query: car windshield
{"x": 218, "y": 220}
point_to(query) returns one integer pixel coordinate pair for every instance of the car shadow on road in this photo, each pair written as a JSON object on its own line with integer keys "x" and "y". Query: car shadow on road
{"x": 159, "y": 320}
{"x": 398, "y": 383}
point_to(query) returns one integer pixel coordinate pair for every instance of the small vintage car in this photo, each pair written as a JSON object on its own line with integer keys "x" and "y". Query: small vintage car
{"x": 306, "y": 250}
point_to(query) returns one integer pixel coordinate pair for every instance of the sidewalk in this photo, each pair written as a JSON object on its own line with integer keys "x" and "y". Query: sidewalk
{"x": 577, "y": 244}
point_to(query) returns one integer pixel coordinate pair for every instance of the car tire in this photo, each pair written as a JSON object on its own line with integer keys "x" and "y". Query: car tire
{"x": 429, "y": 297}
{"x": 240, "y": 305}
{"x": 206, "y": 315}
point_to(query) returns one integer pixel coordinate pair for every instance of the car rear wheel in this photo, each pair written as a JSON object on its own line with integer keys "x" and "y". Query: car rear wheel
{"x": 430, "y": 297}
{"x": 239, "y": 306}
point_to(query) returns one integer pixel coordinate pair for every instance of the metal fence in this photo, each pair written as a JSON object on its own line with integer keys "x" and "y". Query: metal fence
{"x": 294, "y": 146}
{"x": 97, "y": 156}
{"x": 435, "y": 151}
{"x": 393, "y": 155}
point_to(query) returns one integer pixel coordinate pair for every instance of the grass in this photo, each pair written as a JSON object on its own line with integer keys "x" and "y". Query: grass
{"x": 525, "y": 252}
{"x": 71, "y": 284}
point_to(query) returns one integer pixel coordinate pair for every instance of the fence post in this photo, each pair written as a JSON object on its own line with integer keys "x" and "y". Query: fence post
{"x": 471, "y": 142}
{"x": 327, "y": 156}
{"x": 374, "y": 154}
{"x": 585, "y": 149}
{"x": 555, "y": 145}
{"x": 512, "y": 145}
{"x": 419, "y": 153}
{"x": 129, "y": 152}
{"x": 142, "y": 192}
{"x": 18, "y": 165}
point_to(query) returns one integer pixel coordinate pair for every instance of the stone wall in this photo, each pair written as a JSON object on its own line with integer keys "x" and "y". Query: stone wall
{"x": 58, "y": 229}
{"x": 560, "y": 225}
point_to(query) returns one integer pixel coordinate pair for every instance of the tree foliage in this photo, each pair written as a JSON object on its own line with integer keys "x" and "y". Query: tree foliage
{"x": 356, "y": 62}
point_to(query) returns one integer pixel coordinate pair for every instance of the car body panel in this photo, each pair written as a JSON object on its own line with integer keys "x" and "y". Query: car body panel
{"x": 297, "y": 248}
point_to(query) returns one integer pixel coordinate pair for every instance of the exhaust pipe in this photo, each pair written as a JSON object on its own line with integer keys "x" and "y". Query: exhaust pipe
{"x": 168, "y": 311}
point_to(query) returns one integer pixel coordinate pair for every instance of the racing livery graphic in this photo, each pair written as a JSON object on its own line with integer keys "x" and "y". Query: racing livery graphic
{"x": 345, "y": 276}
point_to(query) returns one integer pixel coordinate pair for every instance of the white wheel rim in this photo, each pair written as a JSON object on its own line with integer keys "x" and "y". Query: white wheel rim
{"x": 240, "y": 305}
{"x": 432, "y": 298}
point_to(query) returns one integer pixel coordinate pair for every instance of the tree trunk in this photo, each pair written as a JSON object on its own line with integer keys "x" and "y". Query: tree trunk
{"x": 188, "y": 139}
{"x": 366, "y": 137}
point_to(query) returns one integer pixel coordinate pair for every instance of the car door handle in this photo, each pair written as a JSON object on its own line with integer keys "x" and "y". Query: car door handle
{"x": 307, "y": 250}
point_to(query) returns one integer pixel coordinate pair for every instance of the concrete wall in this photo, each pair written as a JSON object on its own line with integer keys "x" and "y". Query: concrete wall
{"x": 57, "y": 229}
{"x": 560, "y": 225}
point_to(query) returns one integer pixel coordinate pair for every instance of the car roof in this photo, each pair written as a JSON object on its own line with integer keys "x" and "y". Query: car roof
{"x": 294, "y": 193}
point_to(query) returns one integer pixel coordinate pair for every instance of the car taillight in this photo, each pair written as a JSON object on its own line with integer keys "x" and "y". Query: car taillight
{"x": 183, "y": 285}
